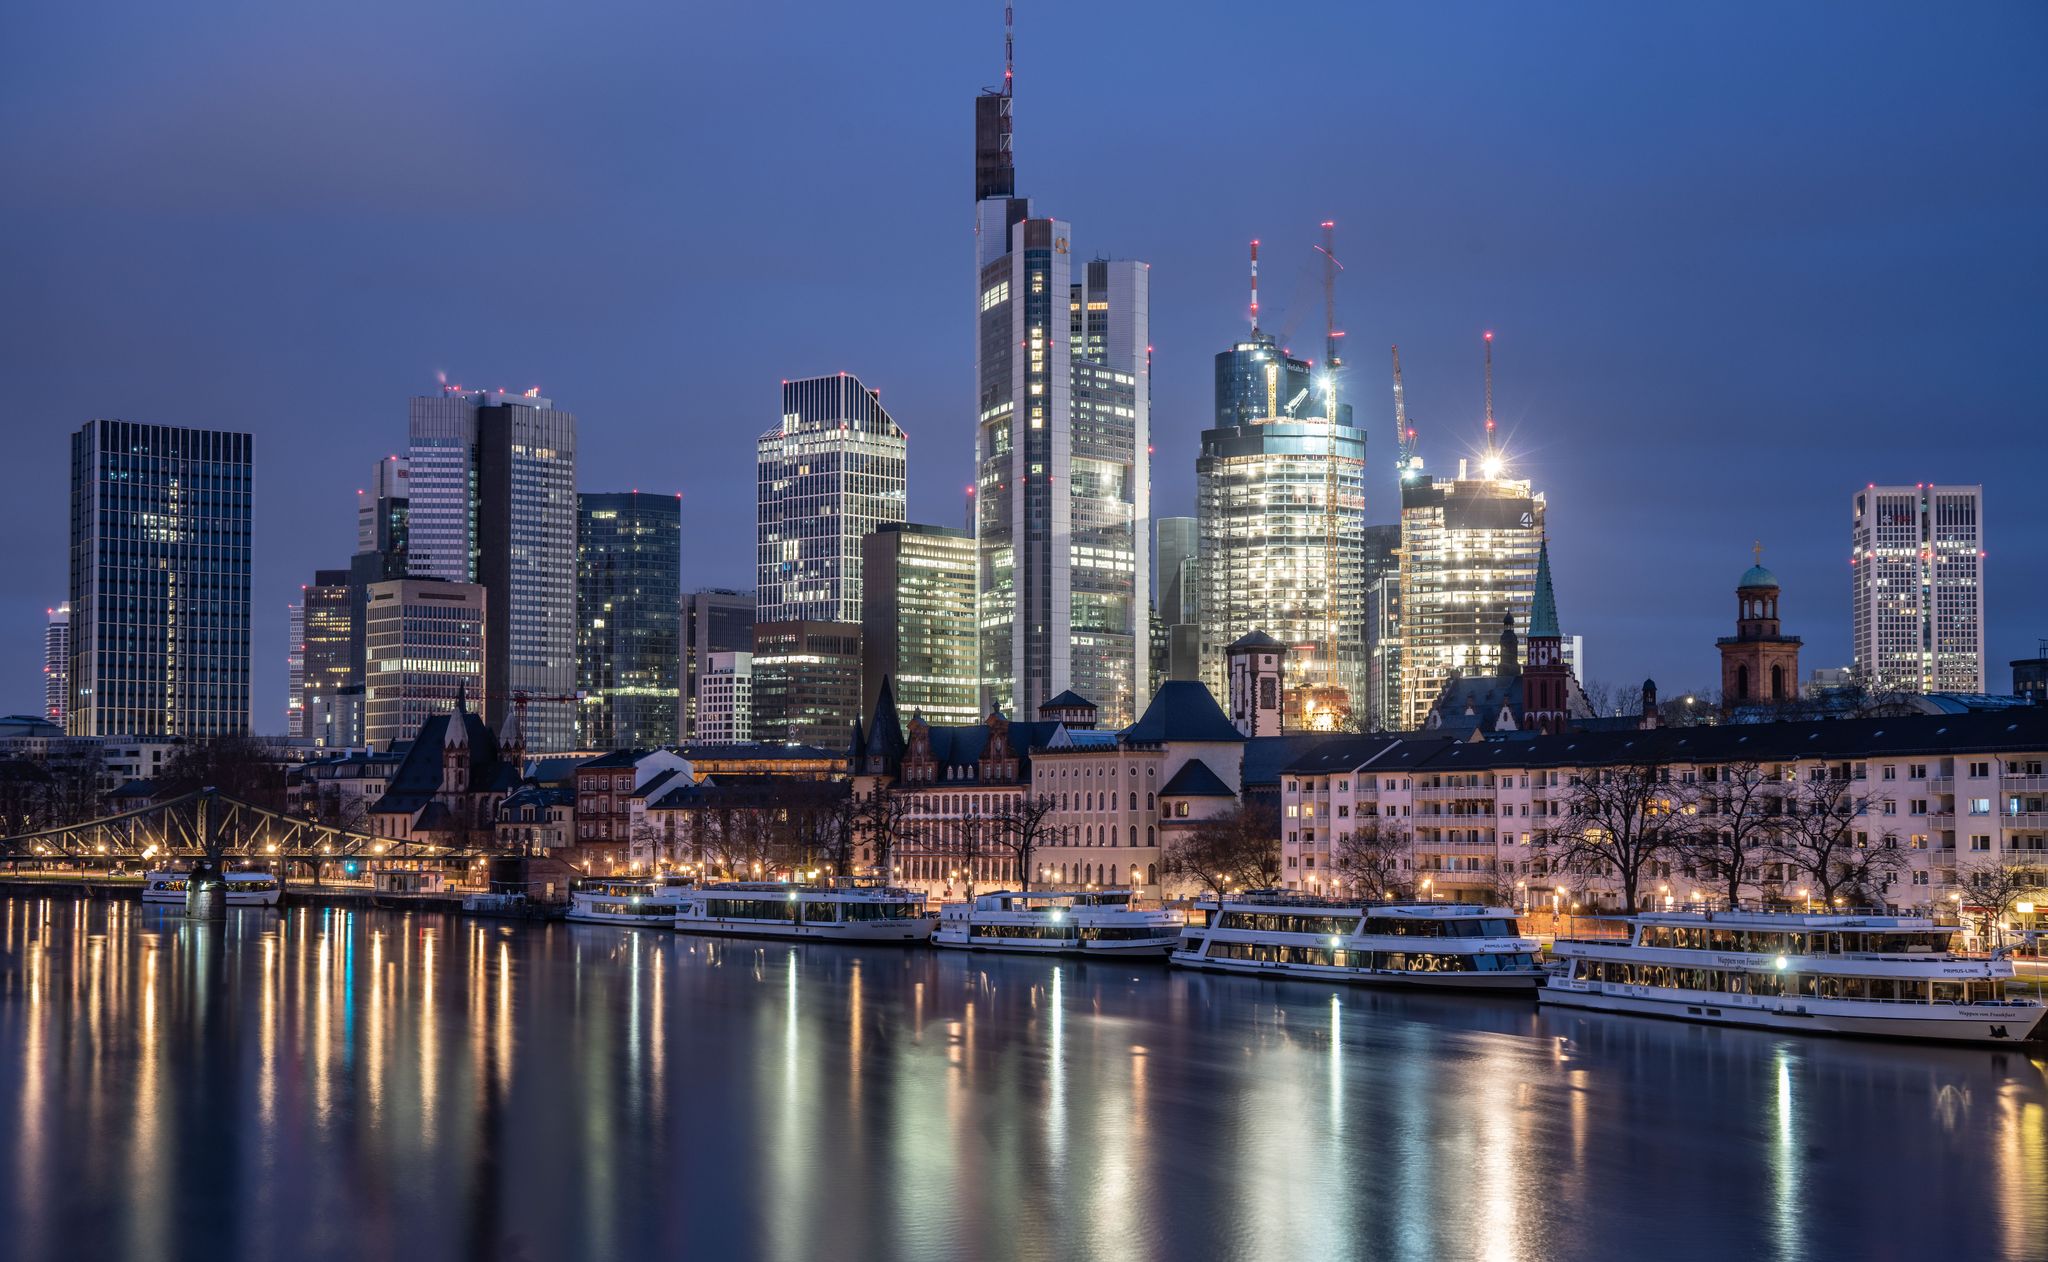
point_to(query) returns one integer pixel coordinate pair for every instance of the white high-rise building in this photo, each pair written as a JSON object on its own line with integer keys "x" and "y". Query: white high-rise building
{"x": 725, "y": 699}
{"x": 1917, "y": 561}
{"x": 57, "y": 663}
{"x": 1062, "y": 491}
{"x": 828, "y": 474}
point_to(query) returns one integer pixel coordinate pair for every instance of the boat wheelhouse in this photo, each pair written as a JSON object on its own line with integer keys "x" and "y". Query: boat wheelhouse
{"x": 1874, "y": 975}
{"x": 1056, "y": 922}
{"x": 845, "y": 911}
{"x": 244, "y": 889}
{"x": 627, "y": 900}
{"x": 1450, "y": 946}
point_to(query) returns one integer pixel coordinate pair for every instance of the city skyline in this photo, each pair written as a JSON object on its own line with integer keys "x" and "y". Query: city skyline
{"x": 1641, "y": 336}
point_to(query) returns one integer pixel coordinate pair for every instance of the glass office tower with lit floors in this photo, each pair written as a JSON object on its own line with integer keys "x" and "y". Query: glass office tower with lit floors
{"x": 629, "y": 579}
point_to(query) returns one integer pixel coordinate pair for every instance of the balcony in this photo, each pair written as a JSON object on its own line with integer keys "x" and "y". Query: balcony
{"x": 1462, "y": 793}
{"x": 2023, "y": 784}
{"x": 1941, "y": 784}
{"x": 2021, "y": 821}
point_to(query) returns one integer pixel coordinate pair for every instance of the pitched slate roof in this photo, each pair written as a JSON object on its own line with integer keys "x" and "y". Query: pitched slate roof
{"x": 1183, "y": 710}
{"x": 418, "y": 777}
{"x": 1264, "y": 756}
{"x": 1069, "y": 700}
{"x": 1195, "y": 780}
{"x": 1253, "y": 640}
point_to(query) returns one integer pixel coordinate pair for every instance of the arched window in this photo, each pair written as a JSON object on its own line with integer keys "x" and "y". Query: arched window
{"x": 1148, "y": 802}
{"x": 1151, "y": 874}
{"x": 1134, "y": 795}
{"x": 1742, "y": 683}
{"x": 1112, "y": 874}
{"x": 1148, "y": 837}
{"x": 1777, "y": 683}
{"x": 1134, "y": 836}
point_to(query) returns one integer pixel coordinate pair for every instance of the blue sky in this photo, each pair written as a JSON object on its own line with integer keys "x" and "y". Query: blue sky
{"x": 1739, "y": 260}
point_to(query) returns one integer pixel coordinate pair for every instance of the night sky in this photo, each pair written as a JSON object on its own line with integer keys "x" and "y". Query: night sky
{"x": 1739, "y": 260}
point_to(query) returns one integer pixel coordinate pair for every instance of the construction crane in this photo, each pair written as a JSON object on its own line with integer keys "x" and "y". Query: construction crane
{"x": 1404, "y": 436}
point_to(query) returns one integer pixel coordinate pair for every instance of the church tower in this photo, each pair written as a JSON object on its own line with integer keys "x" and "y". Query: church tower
{"x": 1546, "y": 680}
{"x": 1254, "y": 664}
{"x": 1759, "y": 664}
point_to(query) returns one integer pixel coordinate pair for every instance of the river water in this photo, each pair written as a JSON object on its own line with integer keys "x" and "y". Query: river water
{"x": 327, "y": 1084}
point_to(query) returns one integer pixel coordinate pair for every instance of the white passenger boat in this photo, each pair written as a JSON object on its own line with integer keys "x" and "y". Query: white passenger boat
{"x": 1883, "y": 976}
{"x": 627, "y": 900}
{"x": 1450, "y": 946}
{"x": 1054, "y": 922}
{"x": 244, "y": 889}
{"x": 844, "y": 911}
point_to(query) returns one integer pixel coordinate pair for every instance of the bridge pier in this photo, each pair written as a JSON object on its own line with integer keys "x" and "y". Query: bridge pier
{"x": 206, "y": 892}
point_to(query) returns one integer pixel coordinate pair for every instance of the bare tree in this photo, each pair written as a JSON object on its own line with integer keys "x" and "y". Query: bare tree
{"x": 812, "y": 824}
{"x": 1994, "y": 889}
{"x": 1621, "y": 821}
{"x": 1737, "y": 812}
{"x": 1820, "y": 838}
{"x": 880, "y": 820}
{"x": 250, "y": 768}
{"x": 1022, "y": 826}
{"x": 1373, "y": 857}
{"x": 1239, "y": 849}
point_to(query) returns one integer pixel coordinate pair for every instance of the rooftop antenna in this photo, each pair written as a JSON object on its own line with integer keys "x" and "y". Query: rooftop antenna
{"x": 1255, "y": 289}
{"x": 1489, "y": 389}
{"x": 1404, "y": 437}
{"x": 1009, "y": 45}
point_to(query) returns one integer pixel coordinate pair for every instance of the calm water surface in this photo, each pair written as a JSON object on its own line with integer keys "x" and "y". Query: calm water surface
{"x": 324, "y": 1084}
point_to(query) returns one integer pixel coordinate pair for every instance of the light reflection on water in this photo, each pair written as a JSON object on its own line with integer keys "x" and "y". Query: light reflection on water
{"x": 333, "y": 1084}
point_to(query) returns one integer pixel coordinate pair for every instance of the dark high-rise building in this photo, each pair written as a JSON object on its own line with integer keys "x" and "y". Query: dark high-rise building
{"x": 628, "y": 579}
{"x": 806, "y": 682}
{"x": 1177, "y": 614}
{"x": 1256, "y": 380}
{"x": 1062, "y": 489}
{"x": 1382, "y": 627}
{"x": 383, "y": 530}
{"x": 715, "y": 620}
{"x": 326, "y": 646}
{"x": 917, "y": 621}
{"x": 160, "y": 539}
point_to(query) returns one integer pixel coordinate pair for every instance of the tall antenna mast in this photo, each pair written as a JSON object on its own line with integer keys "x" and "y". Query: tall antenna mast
{"x": 1255, "y": 289}
{"x": 1009, "y": 45}
{"x": 1404, "y": 437}
{"x": 1333, "y": 359}
{"x": 1489, "y": 389}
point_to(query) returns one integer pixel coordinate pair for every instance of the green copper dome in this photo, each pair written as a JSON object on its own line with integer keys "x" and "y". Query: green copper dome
{"x": 1758, "y": 576}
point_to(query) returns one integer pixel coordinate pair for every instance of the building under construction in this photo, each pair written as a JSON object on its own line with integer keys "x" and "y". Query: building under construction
{"x": 1281, "y": 512}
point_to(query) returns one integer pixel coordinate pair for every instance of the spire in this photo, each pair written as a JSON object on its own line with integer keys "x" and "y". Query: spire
{"x": 885, "y": 730}
{"x": 1489, "y": 390}
{"x": 1543, "y": 618}
{"x": 1510, "y": 648}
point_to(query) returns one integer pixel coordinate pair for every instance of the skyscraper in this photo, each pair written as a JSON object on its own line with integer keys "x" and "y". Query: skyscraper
{"x": 917, "y": 621}
{"x": 715, "y": 620}
{"x": 160, "y": 544}
{"x": 806, "y": 682}
{"x": 295, "y": 668}
{"x": 326, "y": 645}
{"x": 1917, "y": 574}
{"x": 1177, "y": 613}
{"x": 1063, "y": 501}
{"x": 383, "y": 532}
{"x": 1281, "y": 503}
{"x": 492, "y": 500}
{"x": 57, "y": 663}
{"x": 629, "y": 576}
{"x": 1382, "y": 583}
{"x": 725, "y": 702}
{"x": 425, "y": 644}
{"x": 1470, "y": 547}
{"x": 830, "y": 472}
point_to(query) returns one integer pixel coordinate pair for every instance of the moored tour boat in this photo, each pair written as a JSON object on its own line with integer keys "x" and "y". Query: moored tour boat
{"x": 1056, "y": 922}
{"x": 1874, "y": 975}
{"x": 244, "y": 889}
{"x": 626, "y": 900}
{"x": 1450, "y": 946}
{"x": 845, "y": 911}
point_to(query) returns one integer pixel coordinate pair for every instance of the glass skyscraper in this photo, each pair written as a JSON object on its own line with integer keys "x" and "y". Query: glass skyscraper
{"x": 492, "y": 500}
{"x": 326, "y": 639}
{"x": 425, "y": 648}
{"x": 832, "y": 471}
{"x": 1281, "y": 502}
{"x": 715, "y": 620}
{"x": 1062, "y": 491}
{"x": 160, "y": 537}
{"x": 628, "y": 580}
{"x": 917, "y": 625}
{"x": 1469, "y": 553}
